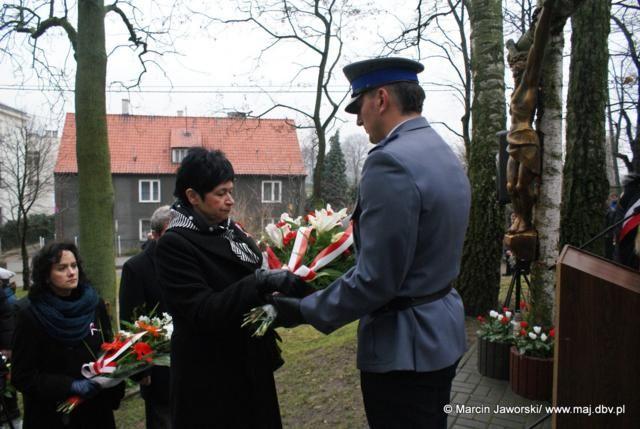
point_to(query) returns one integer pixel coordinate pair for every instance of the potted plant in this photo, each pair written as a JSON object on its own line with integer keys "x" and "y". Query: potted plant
{"x": 495, "y": 338}
{"x": 531, "y": 362}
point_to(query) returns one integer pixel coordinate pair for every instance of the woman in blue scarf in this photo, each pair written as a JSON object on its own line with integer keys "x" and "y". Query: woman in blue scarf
{"x": 62, "y": 327}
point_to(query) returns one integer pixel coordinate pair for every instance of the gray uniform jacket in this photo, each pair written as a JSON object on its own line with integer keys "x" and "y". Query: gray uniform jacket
{"x": 410, "y": 223}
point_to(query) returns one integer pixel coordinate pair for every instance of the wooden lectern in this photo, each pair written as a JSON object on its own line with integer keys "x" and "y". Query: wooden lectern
{"x": 597, "y": 353}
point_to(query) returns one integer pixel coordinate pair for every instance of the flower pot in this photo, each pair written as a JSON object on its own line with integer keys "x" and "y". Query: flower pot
{"x": 530, "y": 377}
{"x": 493, "y": 359}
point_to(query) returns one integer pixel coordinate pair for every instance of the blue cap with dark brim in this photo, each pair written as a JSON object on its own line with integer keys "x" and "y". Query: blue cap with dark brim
{"x": 376, "y": 72}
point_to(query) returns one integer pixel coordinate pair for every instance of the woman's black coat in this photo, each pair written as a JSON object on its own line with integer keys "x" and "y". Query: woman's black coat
{"x": 43, "y": 369}
{"x": 220, "y": 375}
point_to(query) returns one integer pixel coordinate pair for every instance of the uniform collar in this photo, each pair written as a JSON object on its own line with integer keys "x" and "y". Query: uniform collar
{"x": 407, "y": 125}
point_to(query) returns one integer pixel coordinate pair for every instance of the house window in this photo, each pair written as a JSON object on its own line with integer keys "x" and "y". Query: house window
{"x": 32, "y": 167}
{"x": 144, "y": 228}
{"x": 149, "y": 191}
{"x": 178, "y": 154}
{"x": 271, "y": 191}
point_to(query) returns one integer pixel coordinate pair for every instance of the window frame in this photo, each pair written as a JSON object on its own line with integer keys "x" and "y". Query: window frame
{"x": 151, "y": 199}
{"x": 272, "y": 199}
{"x": 178, "y": 150}
{"x": 140, "y": 231}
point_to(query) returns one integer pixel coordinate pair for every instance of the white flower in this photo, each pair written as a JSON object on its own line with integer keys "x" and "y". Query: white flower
{"x": 286, "y": 218}
{"x": 508, "y": 314}
{"x": 166, "y": 318}
{"x": 168, "y": 330}
{"x": 500, "y": 317}
{"x": 543, "y": 337}
{"x": 144, "y": 319}
{"x": 274, "y": 234}
{"x": 493, "y": 314}
{"x": 156, "y": 321}
{"x": 532, "y": 335}
{"x": 326, "y": 219}
{"x": 537, "y": 329}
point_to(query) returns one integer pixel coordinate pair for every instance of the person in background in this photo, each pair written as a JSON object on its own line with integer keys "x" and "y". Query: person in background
{"x": 208, "y": 269}
{"x": 62, "y": 327}
{"x": 409, "y": 227}
{"x": 139, "y": 294}
{"x": 627, "y": 249}
{"x": 9, "y": 411}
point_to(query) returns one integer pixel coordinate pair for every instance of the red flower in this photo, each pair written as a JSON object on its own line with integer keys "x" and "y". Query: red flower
{"x": 142, "y": 351}
{"x": 552, "y": 332}
{"x": 113, "y": 346}
{"x": 480, "y": 319}
{"x": 523, "y": 332}
{"x": 153, "y": 330}
{"x": 505, "y": 309}
{"x": 504, "y": 321}
{"x": 523, "y": 305}
{"x": 287, "y": 238}
{"x": 281, "y": 224}
{"x": 524, "y": 324}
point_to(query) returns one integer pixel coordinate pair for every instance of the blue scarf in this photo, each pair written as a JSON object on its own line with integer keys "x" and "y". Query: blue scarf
{"x": 66, "y": 320}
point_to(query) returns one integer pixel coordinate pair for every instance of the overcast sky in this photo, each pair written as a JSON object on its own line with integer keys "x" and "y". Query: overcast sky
{"x": 214, "y": 68}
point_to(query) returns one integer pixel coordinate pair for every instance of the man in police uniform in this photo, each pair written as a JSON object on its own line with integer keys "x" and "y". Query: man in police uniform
{"x": 409, "y": 225}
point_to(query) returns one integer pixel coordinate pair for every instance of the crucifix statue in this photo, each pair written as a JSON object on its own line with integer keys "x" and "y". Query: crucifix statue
{"x": 524, "y": 164}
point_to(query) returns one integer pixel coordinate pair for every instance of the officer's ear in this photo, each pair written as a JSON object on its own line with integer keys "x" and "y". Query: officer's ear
{"x": 382, "y": 99}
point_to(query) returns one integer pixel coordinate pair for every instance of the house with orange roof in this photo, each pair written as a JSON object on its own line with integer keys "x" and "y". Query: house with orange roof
{"x": 146, "y": 151}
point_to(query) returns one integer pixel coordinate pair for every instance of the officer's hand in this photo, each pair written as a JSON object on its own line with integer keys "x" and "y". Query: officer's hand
{"x": 289, "y": 315}
{"x": 283, "y": 281}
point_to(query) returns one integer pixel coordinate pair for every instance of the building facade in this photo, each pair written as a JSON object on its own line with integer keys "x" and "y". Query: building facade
{"x": 146, "y": 151}
{"x": 27, "y": 155}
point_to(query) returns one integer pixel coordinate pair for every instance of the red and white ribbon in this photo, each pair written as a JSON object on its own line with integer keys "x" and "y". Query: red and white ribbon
{"x": 327, "y": 255}
{"x": 299, "y": 248}
{"x": 272, "y": 260}
{"x": 630, "y": 223}
{"x": 106, "y": 365}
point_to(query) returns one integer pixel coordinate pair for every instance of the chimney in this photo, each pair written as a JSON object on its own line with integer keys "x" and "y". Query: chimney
{"x": 180, "y": 112}
{"x": 236, "y": 115}
{"x": 125, "y": 106}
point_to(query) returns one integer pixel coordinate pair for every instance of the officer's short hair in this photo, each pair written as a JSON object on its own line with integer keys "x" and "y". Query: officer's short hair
{"x": 409, "y": 95}
{"x": 160, "y": 218}
{"x": 202, "y": 170}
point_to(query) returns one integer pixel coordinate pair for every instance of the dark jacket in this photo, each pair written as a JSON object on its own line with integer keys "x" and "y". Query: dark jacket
{"x": 7, "y": 321}
{"x": 139, "y": 290}
{"x": 43, "y": 369}
{"x": 220, "y": 375}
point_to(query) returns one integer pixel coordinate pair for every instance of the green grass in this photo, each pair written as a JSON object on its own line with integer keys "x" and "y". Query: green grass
{"x": 318, "y": 386}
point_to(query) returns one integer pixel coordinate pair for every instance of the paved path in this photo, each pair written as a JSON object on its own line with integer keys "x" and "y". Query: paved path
{"x": 473, "y": 390}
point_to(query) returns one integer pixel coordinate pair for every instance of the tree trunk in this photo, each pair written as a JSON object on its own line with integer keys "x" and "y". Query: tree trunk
{"x": 585, "y": 184}
{"x": 92, "y": 146}
{"x": 316, "y": 198}
{"x": 479, "y": 280}
{"x": 547, "y": 209}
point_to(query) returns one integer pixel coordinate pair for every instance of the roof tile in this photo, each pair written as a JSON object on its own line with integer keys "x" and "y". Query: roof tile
{"x": 142, "y": 144}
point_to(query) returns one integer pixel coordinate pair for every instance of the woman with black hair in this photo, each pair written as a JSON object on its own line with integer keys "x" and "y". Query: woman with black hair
{"x": 61, "y": 328}
{"x": 208, "y": 270}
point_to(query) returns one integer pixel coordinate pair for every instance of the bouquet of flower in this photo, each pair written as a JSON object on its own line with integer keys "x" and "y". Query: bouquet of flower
{"x": 498, "y": 327}
{"x": 534, "y": 341}
{"x": 316, "y": 248}
{"x": 145, "y": 343}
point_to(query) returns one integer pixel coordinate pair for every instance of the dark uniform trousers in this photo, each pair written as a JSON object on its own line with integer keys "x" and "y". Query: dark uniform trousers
{"x": 407, "y": 399}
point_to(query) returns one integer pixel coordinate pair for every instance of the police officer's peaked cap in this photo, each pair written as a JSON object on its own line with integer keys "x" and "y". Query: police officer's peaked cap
{"x": 369, "y": 74}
